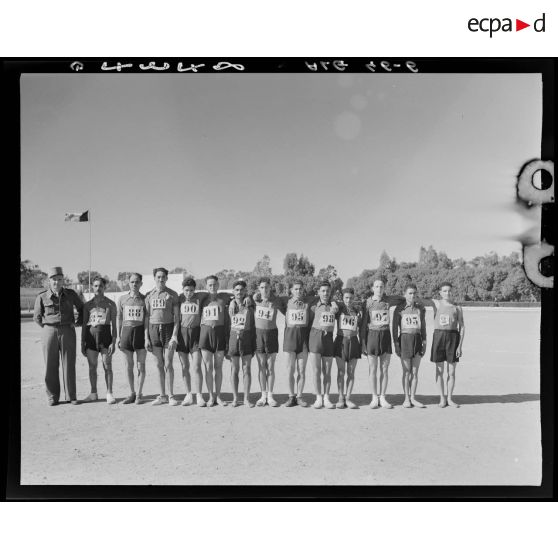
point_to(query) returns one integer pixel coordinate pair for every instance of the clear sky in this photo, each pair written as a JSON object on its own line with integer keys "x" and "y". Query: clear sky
{"x": 213, "y": 171}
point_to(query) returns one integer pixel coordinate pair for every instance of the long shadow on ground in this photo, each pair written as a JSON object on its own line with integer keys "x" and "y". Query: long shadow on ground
{"x": 364, "y": 399}
{"x": 461, "y": 399}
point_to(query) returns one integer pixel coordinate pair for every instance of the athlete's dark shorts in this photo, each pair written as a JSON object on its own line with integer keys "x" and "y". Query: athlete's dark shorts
{"x": 378, "y": 342}
{"x": 295, "y": 340}
{"x": 267, "y": 341}
{"x": 188, "y": 339}
{"x": 411, "y": 345}
{"x": 212, "y": 338}
{"x": 321, "y": 342}
{"x": 160, "y": 334}
{"x": 241, "y": 343}
{"x": 346, "y": 348}
{"x": 132, "y": 338}
{"x": 444, "y": 345}
{"x": 97, "y": 338}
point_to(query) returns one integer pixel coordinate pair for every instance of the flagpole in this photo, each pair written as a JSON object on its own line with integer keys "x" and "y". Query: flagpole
{"x": 89, "y": 250}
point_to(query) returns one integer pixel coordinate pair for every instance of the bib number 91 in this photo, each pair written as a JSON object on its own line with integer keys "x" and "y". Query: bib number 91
{"x": 211, "y": 312}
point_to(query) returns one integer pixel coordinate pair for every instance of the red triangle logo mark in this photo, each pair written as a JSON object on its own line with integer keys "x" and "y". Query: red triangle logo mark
{"x": 519, "y": 25}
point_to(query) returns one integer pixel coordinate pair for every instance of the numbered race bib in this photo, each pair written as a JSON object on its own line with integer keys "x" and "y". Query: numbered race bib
{"x": 348, "y": 322}
{"x": 327, "y": 319}
{"x": 133, "y": 313}
{"x": 238, "y": 321}
{"x": 445, "y": 319}
{"x": 98, "y": 317}
{"x": 264, "y": 313}
{"x": 297, "y": 317}
{"x": 158, "y": 303}
{"x": 189, "y": 308}
{"x": 211, "y": 312}
{"x": 410, "y": 320}
{"x": 379, "y": 317}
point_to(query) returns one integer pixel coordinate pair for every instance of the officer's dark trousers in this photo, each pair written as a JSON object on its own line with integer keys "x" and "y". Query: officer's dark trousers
{"x": 60, "y": 341}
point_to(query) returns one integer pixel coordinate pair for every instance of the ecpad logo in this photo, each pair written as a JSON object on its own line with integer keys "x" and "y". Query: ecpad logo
{"x": 494, "y": 24}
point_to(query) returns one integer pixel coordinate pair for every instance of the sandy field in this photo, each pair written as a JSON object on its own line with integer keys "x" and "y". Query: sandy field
{"x": 492, "y": 439}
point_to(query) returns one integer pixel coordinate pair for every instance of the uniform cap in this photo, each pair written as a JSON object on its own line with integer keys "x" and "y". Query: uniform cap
{"x": 55, "y": 271}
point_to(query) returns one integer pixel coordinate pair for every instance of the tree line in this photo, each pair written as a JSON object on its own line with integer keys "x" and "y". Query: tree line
{"x": 484, "y": 278}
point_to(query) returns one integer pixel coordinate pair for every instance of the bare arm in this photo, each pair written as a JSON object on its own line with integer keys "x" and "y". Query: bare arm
{"x": 395, "y": 325}
{"x": 119, "y": 318}
{"x": 176, "y": 324}
{"x": 364, "y": 326}
{"x": 84, "y": 328}
{"x": 113, "y": 327}
{"x": 146, "y": 326}
{"x": 423, "y": 329}
{"x": 461, "y": 325}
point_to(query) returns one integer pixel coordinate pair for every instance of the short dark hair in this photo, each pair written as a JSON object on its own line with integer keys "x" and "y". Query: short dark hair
{"x": 324, "y": 284}
{"x": 446, "y": 284}
{"x": 214, "y": 277}
{"x": 157, "y": 269}
{"x": 239, "y": 282}
{"x": 264, "y": 280}
{"x": 138, "y": 275}
{"x": 410, "y": 286}
{"x": 189, "y": 282}
{"x": 378, "y": 277}
{"x": 349, "y": 290}
{"x": 296, "y": 282}
{"x": 99, "y": 278}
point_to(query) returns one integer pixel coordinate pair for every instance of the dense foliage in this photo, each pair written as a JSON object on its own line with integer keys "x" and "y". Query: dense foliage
{"x": 488, "y": 278}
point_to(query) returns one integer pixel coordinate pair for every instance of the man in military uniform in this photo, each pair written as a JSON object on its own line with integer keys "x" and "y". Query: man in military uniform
{"x": 54, "y": 312}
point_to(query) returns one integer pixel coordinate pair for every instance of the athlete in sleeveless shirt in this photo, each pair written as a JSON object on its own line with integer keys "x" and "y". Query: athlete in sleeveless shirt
{"x": 98, "y": 336}
{"x": 161, "y": 335}
{"x": 409, "y": 337}
{"x": 242, "y": 341}
{"x": 131, "y": 319}
{"x": 376, "y": 340}
{"x": 347, "y": 347}
{"x": 320, "y": 344}
{"x": 188, "y": 347}
{"x": 447, "y": 341}
{"x": 267, "y": 339}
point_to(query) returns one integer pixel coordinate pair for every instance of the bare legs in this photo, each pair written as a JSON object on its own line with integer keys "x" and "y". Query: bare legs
{"x": 384, "y": 361}
{"x": 140, "y": 358}
{"x": 213, "y": 362}
{"x": 297, "y": 362}
{"x": 447, "y": 385}
{"x": 197, "y": 373}
{"x": 321, "y": 366}
{"x": 163, "y": 359}
{"x": 266, "y": 366}
{"x": 246, "y": 378}
{"x": 106, "y": 360}
{"x": 345, "y": 390}
{"x": 410, "y": 381}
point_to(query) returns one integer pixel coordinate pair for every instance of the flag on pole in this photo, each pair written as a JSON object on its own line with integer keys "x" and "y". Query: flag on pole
{"x": 77, "y": 217}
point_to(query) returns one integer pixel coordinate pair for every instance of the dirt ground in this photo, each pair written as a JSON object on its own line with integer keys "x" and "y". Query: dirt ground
{"x": 493, "y": 438}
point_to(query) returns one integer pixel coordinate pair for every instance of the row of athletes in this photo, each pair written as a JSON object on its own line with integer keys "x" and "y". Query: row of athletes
{"x": 207, "y": 327}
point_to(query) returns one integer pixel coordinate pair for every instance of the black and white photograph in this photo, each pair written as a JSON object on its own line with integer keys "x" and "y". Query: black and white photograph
{"x": 309, "y": 274}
